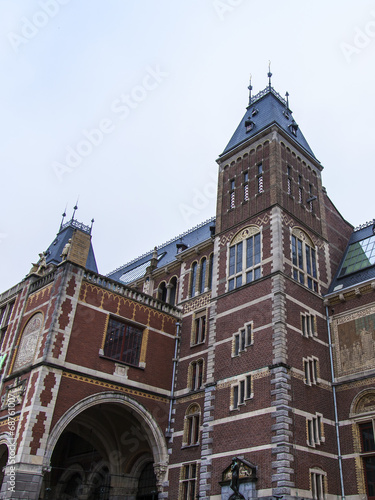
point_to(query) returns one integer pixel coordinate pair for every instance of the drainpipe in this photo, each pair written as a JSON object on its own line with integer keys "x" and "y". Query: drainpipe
{"x": 335, "y": 406}
{"x": 175, "y": 360}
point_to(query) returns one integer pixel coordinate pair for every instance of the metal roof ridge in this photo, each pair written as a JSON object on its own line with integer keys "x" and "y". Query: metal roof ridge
{"x": 267, "y": 90}
{"x": 164, "y": 244}
{"x": 363, "y": 226}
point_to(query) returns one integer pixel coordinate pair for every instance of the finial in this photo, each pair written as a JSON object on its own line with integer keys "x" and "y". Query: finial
{"x": 269, "y": 74}
{"x": 92, "y": 223}
{"x": 250, "y": 87}
{"x": 287, "y": 100}
{"x": 75, "y": 208}
{"x": 63, "y": 217}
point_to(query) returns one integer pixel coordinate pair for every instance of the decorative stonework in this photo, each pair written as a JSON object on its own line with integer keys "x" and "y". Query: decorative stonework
{"x": 29, "y": 340}
{"x": 114, "y": 387}
{"x": 14, "y": 393}
{"x": 259, "y": 222}
{"x": 200, "y": 302}
{"x": 354, "y": 339}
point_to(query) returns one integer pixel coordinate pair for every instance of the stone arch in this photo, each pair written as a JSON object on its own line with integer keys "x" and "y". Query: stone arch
{"x": 152, "y": 430}
{"x": 363, "y": 403}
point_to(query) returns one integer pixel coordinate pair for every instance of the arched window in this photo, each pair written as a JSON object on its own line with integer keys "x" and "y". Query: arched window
{"x": 244, "y": 257}
{"x": 210, "y": 270}
{"x": 193, "y": 279}
{"x": 172, "y": 291}
{"x": 202, "y": 276}
{"x": 29, "y": 340}
{"x": 191, "y": 425}
{"x": 162, "y": 292}
{"x": 304, "y": 259}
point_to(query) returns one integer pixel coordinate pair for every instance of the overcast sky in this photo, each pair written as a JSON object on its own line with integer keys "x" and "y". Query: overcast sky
{"x": 126, "y": 105}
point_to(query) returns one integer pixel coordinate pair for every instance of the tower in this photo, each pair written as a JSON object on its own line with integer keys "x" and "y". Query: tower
{"x": 278, "y": 242}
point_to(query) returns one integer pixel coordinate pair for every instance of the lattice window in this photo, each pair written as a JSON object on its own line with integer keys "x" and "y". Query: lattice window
{"x": 123, "y": 342}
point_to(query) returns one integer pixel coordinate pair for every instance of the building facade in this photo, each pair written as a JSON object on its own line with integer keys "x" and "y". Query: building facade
{"x": 234, "y": 361}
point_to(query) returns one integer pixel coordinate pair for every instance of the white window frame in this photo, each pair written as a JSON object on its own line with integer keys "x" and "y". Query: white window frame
{"x": 238, "y": 272}
{"x": 242, "y": 339}
{"x": 318, "y": 483}
{"x": 241, "y": 391}
{"x": 304, "y": 259}
{"x": 308, "y": 325}
{"x": 311, "y": 370}
{"x": 315, "y": 430}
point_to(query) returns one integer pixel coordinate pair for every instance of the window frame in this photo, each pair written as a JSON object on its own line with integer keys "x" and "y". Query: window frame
{"x": 139, "y": 331}
{"x": 191, "y": 435}
{"x": 242, "y": 339}
{"x": 311, "y": 370}
{"x": 304, "y": 260}
{"x": 245, "y": 248}
{"x": 188, "y": 481}
{"x": 308, "y": 325}
{"x": 315, "y": 430}
{"x": 196, "y": 375}
{"x": 199, "y": 328}
{"x": 241, "y": 391}
{"x": 318, "y": 479}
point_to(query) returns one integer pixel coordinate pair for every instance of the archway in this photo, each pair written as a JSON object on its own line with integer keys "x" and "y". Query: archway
{"x": 106, "y": 447}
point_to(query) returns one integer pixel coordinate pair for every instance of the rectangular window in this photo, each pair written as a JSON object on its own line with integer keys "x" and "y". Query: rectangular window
{"x": 304, "y": 263}
{"x": 317, "y": 485}
{"x": 315, "y": 430}
{"x": 123, "y": 342}
{"x": 196, "y": 375}
{"x": 199, "y": 328}
{"x": 231, "y": 194}
{"x": 241, "y": 392}
{"x": 308, "y": 325}
{"x": 242, "y": 340}
{"x": 188, "y": 481}
{"x": 193, "y": 430}
{"x": 310, "y": 367}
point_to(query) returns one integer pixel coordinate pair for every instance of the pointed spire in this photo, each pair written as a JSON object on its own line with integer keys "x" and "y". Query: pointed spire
{"x": 250, "y": 87}
{"x": 269, "y": 74}
{"x": 92, "y": 223}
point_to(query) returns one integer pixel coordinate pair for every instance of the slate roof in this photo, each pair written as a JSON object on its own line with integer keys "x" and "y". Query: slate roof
{"x": 166, "y": 253}
{"x": 265, "y": 109}
{"x": 53, "y": 252}
{"x": 358, "y": 263}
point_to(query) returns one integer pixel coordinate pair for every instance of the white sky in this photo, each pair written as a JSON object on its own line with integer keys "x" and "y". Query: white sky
{"x": 68, "y": 67}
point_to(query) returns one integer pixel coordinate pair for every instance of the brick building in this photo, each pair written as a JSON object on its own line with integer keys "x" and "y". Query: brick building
{"x": 237, "y": 356}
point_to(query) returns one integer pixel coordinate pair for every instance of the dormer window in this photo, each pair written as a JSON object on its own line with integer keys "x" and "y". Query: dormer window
{"x": 293, "y": 128}
{"x": 254, "y": 112}
{"x": 249, "y": 125}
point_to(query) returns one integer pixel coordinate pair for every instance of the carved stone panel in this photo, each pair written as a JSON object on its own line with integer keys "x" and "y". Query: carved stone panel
{"x": 29, "y": 340}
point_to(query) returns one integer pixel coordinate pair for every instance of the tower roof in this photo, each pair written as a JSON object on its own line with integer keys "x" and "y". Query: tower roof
{"x": 265, "y": 109}
{"x": 54, "y": 251}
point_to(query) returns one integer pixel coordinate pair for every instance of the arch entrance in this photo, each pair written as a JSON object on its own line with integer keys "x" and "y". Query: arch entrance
{"x": 105, "y": 448}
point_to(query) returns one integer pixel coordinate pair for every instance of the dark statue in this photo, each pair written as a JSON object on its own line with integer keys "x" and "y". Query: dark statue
{"x": 235, "y": 481}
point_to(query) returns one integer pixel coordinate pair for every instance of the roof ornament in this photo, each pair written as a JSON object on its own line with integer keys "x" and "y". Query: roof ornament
{"x": 74, "y": 209}
{"x": 92, "y": 223}
{"x": 250, "y": 87}
{"x": 63, "y": 217}
{"x": 286, "y": 110}
{"x": 269, "y": 74}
